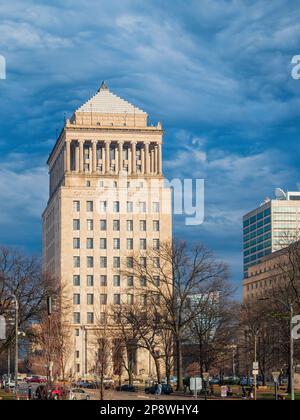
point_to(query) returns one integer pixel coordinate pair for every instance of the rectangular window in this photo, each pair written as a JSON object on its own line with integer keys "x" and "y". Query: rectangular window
{"x": 143, "y": 225}
{"x": 129, "y": 207}
{"x": 156, "y": 262}
{"x": 89, "y": 206}
{"x": 143, "y": 207}
{"x": 116, "y": 262}
{"x": 90, "y": 280}
{"x": 103, "y": 299}
{"x": 103, "y": 206}
{"x": 116, "y": 206}
{"x": 103, "y": 243}
{"x": 130, "y": 281}
{"x": 77, "y": 354}
{"x": 129, "y": 243}
{"x": 129, "y": 225}
{"x": 156, "y": 280}
{"x": 90, "y": 243}
{"x": 116, "y": 225}
{"x": 103, "y": 280}
{"x": 116, "y": 281}
{"x": 130, "y": 299}
{"x": 143, "y": 262}
{"x": 76, "y": 317}
{"x": 117, "y": 299}
{"x": 76, "y": 243}
{"x": 76, "y": 280}
{"x": 103, "y": 262}
{"x": 90, "y": 318}
{"x": 76, "y": 262}
{"x": 102, "y": 318}
{"x": 76, "y": 224}
{"x": 90, "y": 224}
{"x": 90, "y": 262}
{"x": 129, "y": 262}
{"x": 76, "y": 206}
{"x": 143, "y": 299}
{"x": 116, "y": 243}
{"x": 76, "y": 299}
{"x": 103, "y": 224}
{"x": 143, "y": 281}
{"x": 156, "y": 244}
{"x": 156, "y": 225}
{"x": 90, "y": 299}
{"x": 143, "y": 244}
{"x": 155, "y": 207}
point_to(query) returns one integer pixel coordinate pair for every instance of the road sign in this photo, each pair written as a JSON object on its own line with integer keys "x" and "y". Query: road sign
{"x": 2, "y": 328}
{"x": 255, "y": 366}
{"x": 255, "y": 372}
{"x": 195, "y": 384}
{"x": 276, "y": 376}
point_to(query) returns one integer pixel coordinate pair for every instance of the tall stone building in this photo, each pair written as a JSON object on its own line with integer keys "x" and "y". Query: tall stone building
{"x": 107, "y": 200}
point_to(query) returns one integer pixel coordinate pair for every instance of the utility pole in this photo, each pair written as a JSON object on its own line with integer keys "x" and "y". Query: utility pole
{"x": 49, "y": 311}
{"x": 17, "y": 344}
{"x": 292, "y": 353}
{"x": 255, "y": 362}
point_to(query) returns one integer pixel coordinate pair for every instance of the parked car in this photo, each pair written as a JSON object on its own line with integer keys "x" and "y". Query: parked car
{"x": 37, "y": 379}
{"x": 166, "y": 389}
{"x": 78, "y": 394}
{"x": 126, "y": 388}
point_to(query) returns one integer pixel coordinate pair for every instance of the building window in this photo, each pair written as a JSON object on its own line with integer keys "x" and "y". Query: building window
{"x": 103, "y": 243}
{"x": 116, "y": 206}
{"x": 77, "y": 333}
{"x": 103, "y": 318}
{"x": 76, "y": 262}
{"x": 143, "y": 207}
{"x": 103, "y": 206}
{"x": 129, "y": 207}
{"x": 156, "y": 244}
{"x": 116, "y": 225}
{"x": 90, "y": 318}
{"x": 103, "y": 224}
{"x": 77, "y": 354}
{"x": 155, "y": 207}
{"x": 117, "y": 281}
{"x": 116, "y": 243}
{"x": 156, "y": 280}
{"x": 103, "y": 280}
{"x": 129, "y": 225}
{"x": 103, "y": 299}
{"x": 143, "y": 225}
{"x": 143, "y": 244}
{"x": 90, "y": 299}
{"x": 156, "y": 225}
{"x": 129, "y": 262}
{"x": 76, "y": 206}
{"x": 117, "y": 299}
{"x": 130, "y": 299}
{"x": 143, "y": 281}
{"x": 143, "y": 262}
{"x": 90, "y": 243}
{"x": 76, "y": 243}
{"x": 129, "y": 243}
{"x": 76, "y": 299}
{"x": 76, "y": 317}
{"x": 90, "y": 262}
{"x": 76, "y": 280}
{"x": 103, "y": 262}
{"x": 90, "y": 280}
{"x": 89, "y": 206}
{"x": 116, "y": 262}
{"x": 156, "y": 262}
{"x": 130, "y": 281}
{"x": 76, "y": 224}
{"x": 143, "y": 299}
{"x": 77, "y": 367}
{"x": 90, "y": 224}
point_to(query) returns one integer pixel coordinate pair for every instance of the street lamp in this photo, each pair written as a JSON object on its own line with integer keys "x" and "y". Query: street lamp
{"x": 290, "y": 308}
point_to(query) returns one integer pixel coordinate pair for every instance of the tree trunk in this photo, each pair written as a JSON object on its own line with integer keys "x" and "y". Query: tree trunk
{"x": 179, "y": 365}
{"x": 157, "y": 367}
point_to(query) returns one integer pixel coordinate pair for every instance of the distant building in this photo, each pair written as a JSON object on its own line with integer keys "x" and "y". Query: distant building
{"x": 270, "y": 227}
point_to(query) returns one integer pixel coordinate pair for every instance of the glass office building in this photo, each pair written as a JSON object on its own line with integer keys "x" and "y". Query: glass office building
{"x": 270, "y": 227}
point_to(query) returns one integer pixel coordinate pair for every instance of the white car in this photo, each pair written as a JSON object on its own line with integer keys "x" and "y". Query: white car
{"x": 78, "y": 394}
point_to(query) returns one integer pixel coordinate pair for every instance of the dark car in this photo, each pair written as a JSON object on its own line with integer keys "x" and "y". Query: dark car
{"x": 126, "y": 388}
{"x": 166, "y": 389}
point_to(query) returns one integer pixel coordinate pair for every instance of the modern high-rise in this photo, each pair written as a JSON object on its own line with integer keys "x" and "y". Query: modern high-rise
{"x": 107, "y": 201}
{"x": 270, "y": 227}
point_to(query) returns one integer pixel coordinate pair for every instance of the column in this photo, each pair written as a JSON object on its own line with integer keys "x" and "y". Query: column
{"x": 159, "y": 161}
{"x": 155, "y": 159}
{"x": 103, "y": 158}
{"x": 77, "y": 157}
{"x": 68, "y": 155}
{"x": 133, "y": 155}
{"x": 147, "y": 158}
{"x": 152, "y": 160}
{"x": 107, "y": 156}
{"x": 81, "y": 157}
{"x": 94, "y": 157}
{"x": 120, "y": 156}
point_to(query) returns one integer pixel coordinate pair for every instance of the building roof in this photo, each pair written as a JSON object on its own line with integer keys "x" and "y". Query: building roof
{"x": 106, "y": 102}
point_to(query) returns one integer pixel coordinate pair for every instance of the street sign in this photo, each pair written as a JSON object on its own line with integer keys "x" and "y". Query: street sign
{"x": 2, "y": 328}
{"x": 255, "y": 366}
{"x": 276, "y": 376}
{"x": 195, "y": 384}
{"x": 255, "y": 372}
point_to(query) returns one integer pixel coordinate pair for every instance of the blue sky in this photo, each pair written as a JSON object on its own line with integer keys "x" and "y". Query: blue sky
{"x": 216, "y": 73}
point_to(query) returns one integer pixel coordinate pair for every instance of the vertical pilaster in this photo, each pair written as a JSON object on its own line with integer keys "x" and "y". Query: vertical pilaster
{"x": 155, "y": 159}
{"x": 120, "y": 156}
{"x": 107, "y": 156}
{"x": 147, "y": 158}
{"x": 94, "y": 156}
{"x": 81, "y": 157}
{"x": 159, "y": 169}
{"x": 133, "y": 156}
{"x": 77, "y": 157}
{"x": 68, "y": 155}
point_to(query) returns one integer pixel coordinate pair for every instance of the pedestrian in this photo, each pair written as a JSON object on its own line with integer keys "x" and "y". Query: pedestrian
{"x": 29, "y": 392}
{"x": 159, "y": 389}
{"x": 244, "y": 392}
